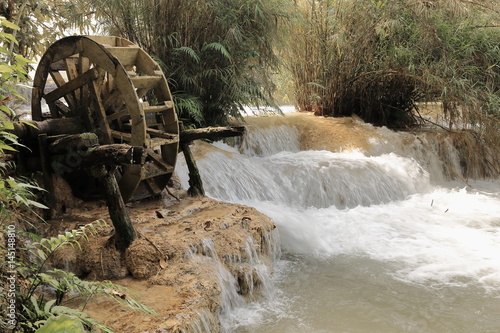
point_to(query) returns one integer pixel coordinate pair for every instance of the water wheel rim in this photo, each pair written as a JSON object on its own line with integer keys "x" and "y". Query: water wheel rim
{"x": 89, "y": 59}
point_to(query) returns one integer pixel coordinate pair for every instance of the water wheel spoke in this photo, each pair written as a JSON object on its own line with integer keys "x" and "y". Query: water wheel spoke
{"x": 70, "y": 86}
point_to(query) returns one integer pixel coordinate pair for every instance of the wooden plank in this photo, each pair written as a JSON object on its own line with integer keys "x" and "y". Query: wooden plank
{"x": 50, "y": 198}
{"x": 142, "y": 92}
{"x": 158, "y": 160}
{"x": 159, "y": 142}
{"x": 157, "y": 133}
{"x": 71, "y": 70}
{"x": 72, "y": 73}
{"x": 212, "y": 133}
{"x": 126, "y": 55}
{"x": 36, "y": 104}
{"x": 151, "y": 170}
{"x": 65, "y": 48}
{"x": 153, "y": 186}
{"x": 116, "y": 115}
{"x": 105, "y": 40}
{"x": 161, "y": 134}
{"x": 112, "y": 98}
{"x": 131, "y": 178}
{"x": 58, "y": 78}
{"x": 168, "y": 105}
{"x": 83, "y": 66}
{"x": 100, "y": 112}
{"x": 98, "y": 55}
{"x": 145, "y": 82}
{"x": 62, "y": 108}
{"x": 147, "y": 65}
{"x": 70, "y": 86}
{"x": 129, "y": 95}
{"x": 54, "y": 110}
{"x": 121, "y": 136}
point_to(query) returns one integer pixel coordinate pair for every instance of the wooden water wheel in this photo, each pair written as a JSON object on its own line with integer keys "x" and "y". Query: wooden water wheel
{"x": 121, "y": 94}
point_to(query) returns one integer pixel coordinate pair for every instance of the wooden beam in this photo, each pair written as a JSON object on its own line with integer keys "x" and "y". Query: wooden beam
{"x": 195, "y": 182}
{"x": 211, "y": 133}
{"x": 49, "y": 194}
{"x": 124, "y": 229}
{"x": 50, "y": 127}
{"x": 71, "y": 85}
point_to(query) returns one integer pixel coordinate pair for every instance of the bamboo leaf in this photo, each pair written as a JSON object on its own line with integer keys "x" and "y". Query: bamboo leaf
{"x": 9, "y": 25}
{"x": 62, "y": 324}
{"x": 217, "y": 47}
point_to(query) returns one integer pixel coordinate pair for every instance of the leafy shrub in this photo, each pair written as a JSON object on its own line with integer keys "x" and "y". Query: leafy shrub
{"x": 379, "y": 58}
{"x": 43, "y": 311}
{"x": 215, "y": 53}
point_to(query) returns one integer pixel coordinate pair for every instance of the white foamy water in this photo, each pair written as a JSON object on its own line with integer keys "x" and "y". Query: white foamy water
{"x": 371, "y": 243}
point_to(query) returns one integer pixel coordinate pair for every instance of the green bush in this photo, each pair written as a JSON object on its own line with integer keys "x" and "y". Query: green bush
{"x": 378, "y": 59}
{"x": 216, "y": 54}
{"x": 42, "y": 311}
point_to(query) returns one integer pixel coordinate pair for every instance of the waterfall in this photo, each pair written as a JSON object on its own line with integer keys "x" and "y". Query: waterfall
{"x": 396, "y": 213}
{"x": 269, "y": 141}
{"x": 237, "y": 275}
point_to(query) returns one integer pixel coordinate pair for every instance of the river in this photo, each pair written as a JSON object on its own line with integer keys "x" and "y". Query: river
{"x": 373, "y": 240}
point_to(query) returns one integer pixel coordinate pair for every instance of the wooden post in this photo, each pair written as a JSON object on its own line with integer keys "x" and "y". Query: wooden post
{"x": 50, "y": 198}
{"x": 195, "y": 183}
{"x": 124, "y": 229}
{"x": 211, "y": 133}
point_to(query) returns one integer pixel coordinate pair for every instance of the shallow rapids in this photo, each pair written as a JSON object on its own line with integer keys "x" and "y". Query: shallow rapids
{"x": 373, "y": 241}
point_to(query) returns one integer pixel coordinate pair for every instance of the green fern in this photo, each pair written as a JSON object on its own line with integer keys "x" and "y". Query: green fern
{"x": 219, "y": 48}
{"x": 211, "y": 51}
{"x": 39, "y": 310}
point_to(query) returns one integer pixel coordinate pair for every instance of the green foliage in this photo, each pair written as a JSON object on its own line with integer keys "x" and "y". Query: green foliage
{"x": 62, "y": 324}
{"x": 379, "y": 58}
{"x": 44, "y": 311}
{"x": 14, "y": 192}
{"x": 40, "y": 23}
{"x": 216, "y": 54}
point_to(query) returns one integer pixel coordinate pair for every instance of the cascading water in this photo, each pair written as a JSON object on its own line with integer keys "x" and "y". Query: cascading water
{"x": 374, "y": 241}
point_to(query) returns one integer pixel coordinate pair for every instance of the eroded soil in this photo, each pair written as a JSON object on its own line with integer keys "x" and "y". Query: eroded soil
{"x": 168, "y": 267}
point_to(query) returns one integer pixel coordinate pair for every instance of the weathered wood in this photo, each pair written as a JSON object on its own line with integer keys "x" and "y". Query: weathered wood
{"x": 50, "y": 127}
{"x": 108, "y": 83}
{"x": 71, "y": 86}
{"x": 115, "y": 154}
{"x": 156, "y": 133}
{"x": 50, "y": 199}
{"x": 74, "y": 125}
{"x": 89, "y": 153}
{"x": 127, "y": 55}
{"x": 77, "y": 142}
{"x": 95, "y": 92}
{"x": 211, "y": 133}
{"x": 195, "y": 182}
{"x": 124, "y": 229}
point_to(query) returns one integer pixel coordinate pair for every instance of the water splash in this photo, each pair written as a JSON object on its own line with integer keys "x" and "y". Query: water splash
{"x": 241, "y": 277}
{"x": 270, "y": 140}
{"x": 392, "y": 212}
{"x": 313, "y": 178}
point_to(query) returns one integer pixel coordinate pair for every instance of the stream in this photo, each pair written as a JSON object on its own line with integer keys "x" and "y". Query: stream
{"x": 372, "y": 241}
